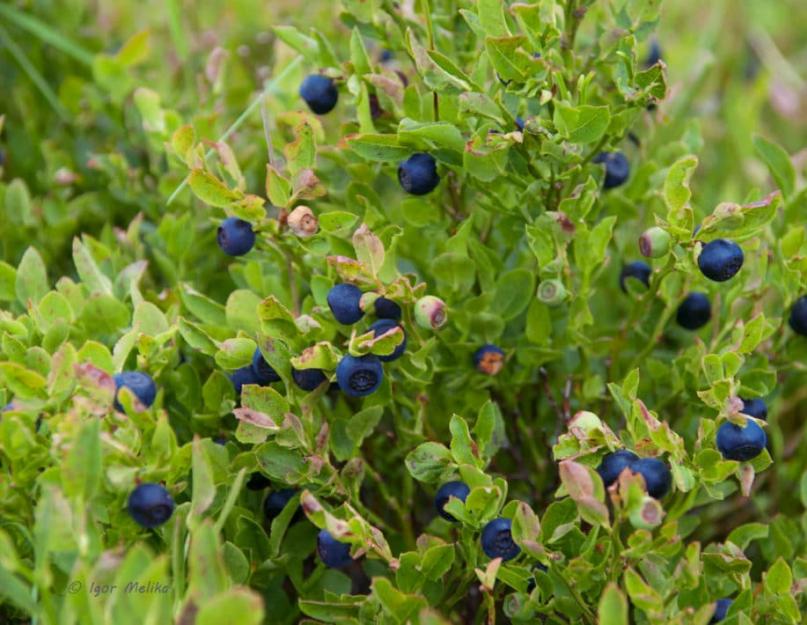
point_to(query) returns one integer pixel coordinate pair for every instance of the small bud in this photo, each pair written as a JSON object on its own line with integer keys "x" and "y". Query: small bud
{"x": 302, "y": 222}
{"x": 64, "y": 177}
{"x": 654, "y": 242}
{"x": 367, "y": 301}
{"x": 430, "y": 312}
{"x": 552, "y": 292}
{"x": 648, "y": 515}
{"x": 585, "y": 422}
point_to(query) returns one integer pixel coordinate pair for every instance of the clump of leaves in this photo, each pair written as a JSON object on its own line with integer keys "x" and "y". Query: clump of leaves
{"x": 521, "y": 342}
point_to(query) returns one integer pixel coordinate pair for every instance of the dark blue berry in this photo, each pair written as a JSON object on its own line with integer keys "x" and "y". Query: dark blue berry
{"x": 755, "y": 408}
{"x": 520, "y": 123}
{"x": 798, "y": 316}
{"x": 741, "y": 443}
{"x": 639, "y": 270}
{"x": 694, "y": 312}
{"x": 387, "y": 309}
{"x": 235, "y": 236}
{"x": 653, "y": 54}
{"x": 242, "y": 376}
{"x": 264, "y": 374}
{"x": 418, "y": 174}
{"x": 489, "y": 359}
{"x": 656, "y": 474}
{"x": 8, "y": 406}
{"x": 275, "y": 502}
{"x": 614, "y": 463}
{"x": 332, "y": 552}
{"x": 343, "y": 300}
{"x": 531, "y": 583}
{"x": 150, "y": 505}
{"x": 720, "y": 260}
{"x": 258, "y": 481}
{"x": 721, "y": 609}
{"x": 386, "y": 56}
{"x": 358, "y": 377}
{"x": 139, "y": 383}
{"x": 497, "y": 540}
{"x": 617, "y": 168}
{"x": 308, "y": 379}
{"x": 456, "y": 489}
{"x": 385, "y": 325}
{"x": 319, "y": 93}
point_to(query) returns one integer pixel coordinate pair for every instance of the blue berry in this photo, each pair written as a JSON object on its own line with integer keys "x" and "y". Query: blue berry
{"x": 343, "y": 300}
{"x": 275, "y": 502}
{"x": 418, "y": 174}
{"x": 614, "y": 463}
{"x": 497, "y": 540}
{"x": 639, "y": 270}
{"x": 333, "y": 553}
{"x": 308, "y": 379}
{"x": 150, "y": 505}
{"x": 258, "y": 481}
{"x": 264, "y": 374}
{"x": 358, "y": 377}
{"x": 756, "y": 408}
{"x": 741, "y": 443}
{"x": 720, "y": 260}
{"x": 531, "y": 583}
{"x": 8, "y": 406}
{"x": 386, "y": 56}
{"x": 519, "y": 123}
{"x": 721, "y": 609}
{"x": 798, "y": 316}
{"x": 235, "y": 236}
{"x": 139, "y": 383}
{"x": 456, "y": 489}
{"x": 656, "y": 474}
{"x": 319, "y": 93}
{"x": 489, "y": 359}
{"x": 617, "y": 168}
{"x": 242, "y": 376}
{"x": 385, "y": 325}
{"x": 387, "y": 309}
{"x": 694, "y": 312}
{"x": 653, "y": 54}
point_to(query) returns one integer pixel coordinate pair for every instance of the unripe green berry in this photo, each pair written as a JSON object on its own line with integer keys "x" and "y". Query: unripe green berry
{"x": 648, "y": 515}
{"x": 655, "y": 242}
{"x": 430, "y": 312}
{"x": 552, "y": 292}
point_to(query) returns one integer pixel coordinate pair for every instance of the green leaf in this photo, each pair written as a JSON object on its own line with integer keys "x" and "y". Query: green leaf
{"x": 428, "y": 462}
{"x": 204, "y": 490}
{"x": 613, "y": 607}
{"x": 236, "y": 605}
{"x": 82, "y": 469}
{"x": 514, "y": 291}
{"x": 436, "y": 134}
{"x": 375, "y": 147}
{"x": 779, "y": 164}
{"x": 463, "y": 448}
{"x": 278, "y": 188}
{"x": 32, "y": 278}
{"x": 582, "y": 124}
{"x": 676, "y": 184}
{"x": 369, "y": 249}
{"x": 400, "y": 606}
{"x": 210, "y": 189}
{"x": 491, "y": 17}
{"x": 779, "y": 579}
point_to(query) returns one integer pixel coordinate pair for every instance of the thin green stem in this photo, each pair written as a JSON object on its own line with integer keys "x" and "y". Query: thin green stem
{"x": 268, "y": 88}
{"x": 46, "y": 34}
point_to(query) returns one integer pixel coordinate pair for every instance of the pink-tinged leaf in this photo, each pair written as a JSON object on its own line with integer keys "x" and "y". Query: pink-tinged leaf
{"x": 747, "y": 475}
{"x": 96, "y": 381}
{"x": 256, "y": 418}
{"x": 369, "y": 249}
{"x": 579, "y": 483}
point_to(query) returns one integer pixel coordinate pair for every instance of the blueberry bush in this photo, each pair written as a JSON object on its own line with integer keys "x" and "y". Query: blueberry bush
{"x": 429, "y": 311}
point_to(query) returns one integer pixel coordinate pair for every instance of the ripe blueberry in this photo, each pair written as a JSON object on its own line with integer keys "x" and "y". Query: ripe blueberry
{"x": 741, "y": 443}
{"x": 531, "y": 583}
{"x": 386, "y": 56}
{"x": 755, "y": 408}
{"x": 387, "y": 309}
{"x": 520, "y": 123}
{"x": 721, "y": 608}
{"x": 235, "y": 236}
{"x": 264, "y": 374}
{"x": 720, "y": 260}
{"x": 418, "y": 174}
{"x": 798, "y": 316}
{"x": 497, "y": 540}
{"x": 258, "y": 481}
{"x": 319, "y": 93}
{"x": 358, "y": 377}
{"x": 242, "y": 376}
{"x": 343, "y": 300}
{"x": 150, "y": 505}
{"x": 489, "y": 359}
{"x": 385, "y": 325}
{"x": 456, "y": 489}
{"x": 139, "y": 383}
{"x": 308, "y": 379}
{"x": 333, "y": 553}
{"x": 639, "y": 270}
{"x": 275, "y": 502}
{"x": 653, "y": 54}
{"x": 656, "y": 474}
{"x": 694, "y": 312}
{"x": 614, "y": 463}
{"x": 617, "y": 168}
